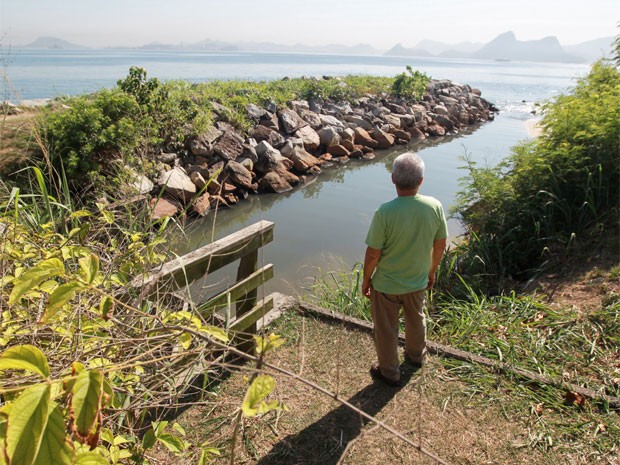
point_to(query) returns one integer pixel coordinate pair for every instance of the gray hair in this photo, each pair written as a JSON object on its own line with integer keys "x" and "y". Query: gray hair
{"x": 408, "y": 170}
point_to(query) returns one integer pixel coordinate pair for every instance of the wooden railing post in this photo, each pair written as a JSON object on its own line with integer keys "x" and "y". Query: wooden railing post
{"x": 247, "y": 265}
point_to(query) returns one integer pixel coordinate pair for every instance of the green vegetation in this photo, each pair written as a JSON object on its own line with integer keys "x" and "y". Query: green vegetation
{"x": 411, "y": 84}
{"x": 142, "y": 117}
{"x": 551, "y": 194}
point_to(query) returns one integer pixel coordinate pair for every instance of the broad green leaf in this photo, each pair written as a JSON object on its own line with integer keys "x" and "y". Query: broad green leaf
{"x": 106, "y": 307}
{"x": 179, "y": 429}
{"x": 80, "y": 214}
{"x": 26, "y": 424}
{"x": 34, "y": 276}
{"x": 148, "y": 440}
{"x": 108, "y": 216}
{"x": 25, "y": 357}
{"x": 260, "y": 388}
{"x": 90, "y": 267}
{"x": 55, "y": 448}
{"x": 107, "y": 435}
{"x": 185, "y": 340}
{"x": 86, "y": 402}
{"x": 206, "y": 452}
{"x": 265, "y": 344}
{"x": 61, "y": 296}
{"x": 214, "y": 331}
{"x": 172, "y": 443}
{"x": 90, "y": 458}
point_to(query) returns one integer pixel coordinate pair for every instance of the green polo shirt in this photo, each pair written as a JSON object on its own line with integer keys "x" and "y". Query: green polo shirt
{"x": 404, "y": 229}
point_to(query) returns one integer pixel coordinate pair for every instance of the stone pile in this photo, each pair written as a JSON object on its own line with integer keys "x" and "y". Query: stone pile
{"x": 288, "y": 145}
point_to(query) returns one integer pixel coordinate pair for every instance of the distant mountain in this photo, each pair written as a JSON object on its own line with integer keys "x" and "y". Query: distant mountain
{"x": 399, "y": 51}
{"x": 503, "y": 47}
{"x": 53, "y": 43}
{"x": 439, "y": 48}
{"x": 593, "y": 49}
{"x": 507, "y": 47}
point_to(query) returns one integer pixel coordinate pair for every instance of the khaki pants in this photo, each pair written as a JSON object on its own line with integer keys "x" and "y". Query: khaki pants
{"x": 385, "y": 315}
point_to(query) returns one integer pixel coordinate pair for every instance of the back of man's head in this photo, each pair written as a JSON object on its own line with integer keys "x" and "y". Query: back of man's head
{"x": 408, "y": 171}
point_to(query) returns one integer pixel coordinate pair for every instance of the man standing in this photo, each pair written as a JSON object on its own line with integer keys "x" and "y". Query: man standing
{"x": 406, "y": 240}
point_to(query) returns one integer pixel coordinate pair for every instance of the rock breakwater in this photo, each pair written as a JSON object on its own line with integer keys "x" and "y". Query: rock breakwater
{"x": 287, "y": 146}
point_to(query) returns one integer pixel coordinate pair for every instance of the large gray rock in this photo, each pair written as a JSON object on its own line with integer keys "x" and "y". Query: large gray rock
{"x": 311, "y": 118}
{"x": 178, "y": 184}
{"x": 140, "y": 183}
{"x": 328, "y": 120}
{"x": 229, "y": 146}
{"x": 298, "y": 105}
{"x": 358, "y": 121}
{"x": 290, "y": 145}
{"x": 268, "y": 158}
{"x": 328, "y": 136}
{"x": 270, "y": 120}
{"x": 273, "y": 182}
{"x": 363, "y": 138}
{"x": 303, "y": 161}
{"x": 290, "y": 121}
{"x": 254, "y": 111}
{"x": 391, "y": 119}
{"x": 309, "y": 137}
{"x": 239, "y": 175}
{"x": 384, "y": 139}
{"x": 263, "y": 133}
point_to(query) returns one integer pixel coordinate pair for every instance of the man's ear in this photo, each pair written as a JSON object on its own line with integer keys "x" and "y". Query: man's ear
{"x": 421, "y": 180}
{"x": 392, "y": 176}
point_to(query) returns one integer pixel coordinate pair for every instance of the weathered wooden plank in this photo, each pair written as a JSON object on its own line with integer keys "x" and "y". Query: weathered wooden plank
{"x": 233, "y": 293}
{"x": 252, "y": 316}
{"x": 450, "y": 352}
{"x": 189, "y": 267}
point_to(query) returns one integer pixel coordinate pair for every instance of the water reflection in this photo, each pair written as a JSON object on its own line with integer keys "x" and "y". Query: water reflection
{"x": 322, "y": 225}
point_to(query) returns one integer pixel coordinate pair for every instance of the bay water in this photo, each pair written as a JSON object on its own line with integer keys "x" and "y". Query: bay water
{"x": 319, "y": 227}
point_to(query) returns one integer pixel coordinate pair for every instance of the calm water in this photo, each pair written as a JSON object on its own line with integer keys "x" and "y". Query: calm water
{"x": 321, "y": 226}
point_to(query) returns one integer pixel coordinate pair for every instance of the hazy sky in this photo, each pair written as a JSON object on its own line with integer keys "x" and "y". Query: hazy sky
{"x": 381, "y": 23}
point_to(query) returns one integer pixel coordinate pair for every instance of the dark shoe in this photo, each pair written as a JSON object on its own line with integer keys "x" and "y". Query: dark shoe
{"x": 376, "y": 374}
{"x": 412, "y": 364}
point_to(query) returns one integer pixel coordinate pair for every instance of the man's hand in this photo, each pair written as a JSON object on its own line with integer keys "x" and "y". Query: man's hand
{"x": 431, "y": 281}
{"x": 371, "y": 258}
{"x": 366, "y": 289}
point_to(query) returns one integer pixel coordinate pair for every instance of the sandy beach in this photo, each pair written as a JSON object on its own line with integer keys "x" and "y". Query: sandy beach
{"x": 533, "y": 129}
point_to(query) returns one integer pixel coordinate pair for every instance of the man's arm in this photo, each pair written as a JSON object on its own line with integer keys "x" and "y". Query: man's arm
{"x": 439, "y": 247}
{"x": 370, "y": 263}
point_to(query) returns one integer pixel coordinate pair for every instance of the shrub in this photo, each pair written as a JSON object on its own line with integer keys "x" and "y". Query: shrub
{"x": 551, "y": 191}
{"x": 93, "y": 131}
{"x": 411, "y": 85}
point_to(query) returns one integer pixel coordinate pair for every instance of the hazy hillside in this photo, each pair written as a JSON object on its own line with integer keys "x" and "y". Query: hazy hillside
{"x": 504, "y": 47}
{"x": 53, "y": 43}
{"x": 593, "y": 49}
{"x": 507, "y": 47}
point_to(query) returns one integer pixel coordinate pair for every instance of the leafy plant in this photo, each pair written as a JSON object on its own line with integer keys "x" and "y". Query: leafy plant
{"x": 410, "y": 84}
{"x": 550, "y": 192}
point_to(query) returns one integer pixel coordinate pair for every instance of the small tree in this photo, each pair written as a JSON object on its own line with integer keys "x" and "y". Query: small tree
{"x": 411, "y": 84}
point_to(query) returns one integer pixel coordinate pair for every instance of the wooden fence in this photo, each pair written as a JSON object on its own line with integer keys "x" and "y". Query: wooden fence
{"x": 239, "y": 302}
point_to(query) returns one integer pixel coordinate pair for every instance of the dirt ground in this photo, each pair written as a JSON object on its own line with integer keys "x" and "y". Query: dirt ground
{"x": 448, "y": 417}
